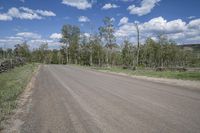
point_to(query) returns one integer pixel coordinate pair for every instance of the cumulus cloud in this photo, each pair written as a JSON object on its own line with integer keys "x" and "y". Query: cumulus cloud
{"x": 56, "y": 36}
{"x": 191, "y": 17}
{"x": 25, "y": 13}
{"x": 86, "y": 34}
{"x": 14, "y": 37}
{"x": 83, "y": 19}
{"x": 112, "y": 19}
{"x": 10, "y": 42}
{"x": 52, "y": 44}
{"x": 123, "y": 20}
{"x": 177, "y": 30}
{"x": 45, "y": 13}
{"x": 5, "y": 17}
{"x": 38, "y": 12}
{"x": 34, "y": 40}
{"x": 194, "y": 24}
{"x": 109, "y": 6}
{"x": 127, "y": 0}
{"x": 16, "y": 13}
{"x": 145, "y": 8}
{"x": 29, "y": 35}
{"x": 159, "y": 24}
{"x": 79, "y": 4}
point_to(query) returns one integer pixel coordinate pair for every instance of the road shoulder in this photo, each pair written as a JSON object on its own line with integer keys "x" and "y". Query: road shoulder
{"x": 195, "y": 85}
{"x": 14, "y": 122}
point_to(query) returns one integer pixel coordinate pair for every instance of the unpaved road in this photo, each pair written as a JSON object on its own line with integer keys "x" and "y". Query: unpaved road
{"x": 75, "y": 100}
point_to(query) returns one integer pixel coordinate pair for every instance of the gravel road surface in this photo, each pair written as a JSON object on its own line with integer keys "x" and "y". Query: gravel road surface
{"x": 68, "y": 99}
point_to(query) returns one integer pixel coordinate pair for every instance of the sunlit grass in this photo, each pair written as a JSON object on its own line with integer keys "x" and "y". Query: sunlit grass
{"x": 187, "y": 75}
{"x": 151, "y": 73}
{"x": 12, "y": 83}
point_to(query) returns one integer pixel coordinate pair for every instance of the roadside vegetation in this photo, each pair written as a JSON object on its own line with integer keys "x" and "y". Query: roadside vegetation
{"x": 12, "y": 84}
{"x": 187, "y": 75}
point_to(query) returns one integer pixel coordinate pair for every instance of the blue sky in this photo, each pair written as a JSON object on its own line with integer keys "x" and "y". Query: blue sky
{"x": 39, "y": 21}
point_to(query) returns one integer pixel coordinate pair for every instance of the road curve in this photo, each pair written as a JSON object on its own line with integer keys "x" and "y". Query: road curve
{"x": 68, "y": 99}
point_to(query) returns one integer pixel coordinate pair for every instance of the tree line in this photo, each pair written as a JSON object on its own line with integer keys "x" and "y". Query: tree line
{"x": 101, "y": 49}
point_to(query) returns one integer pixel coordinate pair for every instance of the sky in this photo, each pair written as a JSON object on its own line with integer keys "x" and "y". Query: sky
{"x": 40, "y": 21}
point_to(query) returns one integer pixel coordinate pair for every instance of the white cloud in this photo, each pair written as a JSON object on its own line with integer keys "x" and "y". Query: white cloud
{"x": 159, "y": 24}
{"x": 191, "y": 17}
{"x": 10, "y": 42}
{"x": 56, "y": 36}
{"x": 25, "y": 13}
{"x": 5, "y": 17}
{"x": 194, "y": 24}
{"x": 177, "y": 30}
{"x": 28, "y": 10}
{"x": 14, "y": 37}
{"x": 39, "y": 12}
{"x": 52, "y": 44}
{"x": 109, "y": 6}
{"x": 34, "y": 40}
{"x": 79, "y": 4}
{"x": 16, "y": 13}
{"x": 45, "y": 13}
{"x": 127, "y": 0}
{"x": 87, "y": 34}
{"x": 126, "y": 30}
{"x": 123, "y": 20}
{"x": 112, "y": 19}
{"x": 145, "y": 8}
{"x": 83, "y": 19}
{"x": 29, "y": 35}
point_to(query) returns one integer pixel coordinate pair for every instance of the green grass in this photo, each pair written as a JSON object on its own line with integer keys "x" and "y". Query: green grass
{"x": 12, "y": 84}
{"x": 150, "y": 73}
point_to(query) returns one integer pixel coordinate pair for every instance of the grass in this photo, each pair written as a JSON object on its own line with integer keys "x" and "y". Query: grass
{"x": 149, "y": 73}
{"x": 12, "y": 84}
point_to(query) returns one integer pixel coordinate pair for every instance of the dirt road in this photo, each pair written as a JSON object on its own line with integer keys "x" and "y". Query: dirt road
{"x": 75, "y": 100}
